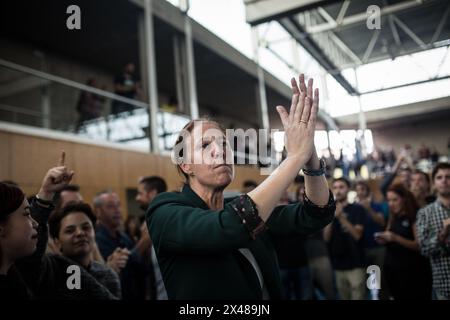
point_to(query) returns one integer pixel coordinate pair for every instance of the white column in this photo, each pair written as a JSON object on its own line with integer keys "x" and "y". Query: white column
{"x": 261, "y": 88}
{"x": 152, "y": 87}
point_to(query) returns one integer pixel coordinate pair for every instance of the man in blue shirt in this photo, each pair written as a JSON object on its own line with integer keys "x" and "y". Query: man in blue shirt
{"x": 117, "y": 246}
{"x": 376, "y": 220}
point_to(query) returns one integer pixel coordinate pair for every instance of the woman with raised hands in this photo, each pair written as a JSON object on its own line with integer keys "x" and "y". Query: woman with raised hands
{"x": 211, "y": 248}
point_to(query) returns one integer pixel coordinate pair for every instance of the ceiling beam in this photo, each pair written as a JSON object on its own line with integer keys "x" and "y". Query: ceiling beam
{"x": 361, "y": 17}
{"x": 409, "y": 32}
{"x": 440, "y": 26}
{"x": 298, "y": 33}
{"x": 261, "y": 11}
{"x": 343, "y": 11}
{"x": 407, "y": 84}
{"x": 371, "y": 45}
{"x": 394, "y": 31}
{"x": 398, "y": 112}
{"x": 336, "y": 40}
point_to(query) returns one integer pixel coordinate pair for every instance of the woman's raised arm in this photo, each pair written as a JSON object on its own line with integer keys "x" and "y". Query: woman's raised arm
{"x": 299, "y": 125}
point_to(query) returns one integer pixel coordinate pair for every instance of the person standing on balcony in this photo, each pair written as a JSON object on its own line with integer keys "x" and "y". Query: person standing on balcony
{"x": 126, "y": 85}
{"x": 89, "y": 106}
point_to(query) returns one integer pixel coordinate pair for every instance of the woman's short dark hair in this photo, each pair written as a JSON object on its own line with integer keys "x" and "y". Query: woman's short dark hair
{"x": 54, "y": 222}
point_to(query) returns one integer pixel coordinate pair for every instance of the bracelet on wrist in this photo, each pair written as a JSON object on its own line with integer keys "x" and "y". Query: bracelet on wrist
{"x": 317, "y": 172}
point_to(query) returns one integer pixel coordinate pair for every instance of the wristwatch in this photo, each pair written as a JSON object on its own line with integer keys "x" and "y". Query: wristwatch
{"x": 318, "y": 172}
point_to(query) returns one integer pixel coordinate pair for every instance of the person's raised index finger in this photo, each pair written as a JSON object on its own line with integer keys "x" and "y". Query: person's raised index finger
{"x": 62, "y": 159}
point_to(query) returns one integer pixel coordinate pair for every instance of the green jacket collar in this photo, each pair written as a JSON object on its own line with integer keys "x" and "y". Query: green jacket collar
{"x": 193, "y": 197}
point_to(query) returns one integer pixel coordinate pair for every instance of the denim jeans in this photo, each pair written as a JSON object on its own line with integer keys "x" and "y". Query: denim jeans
{"x": 297, "y": 283}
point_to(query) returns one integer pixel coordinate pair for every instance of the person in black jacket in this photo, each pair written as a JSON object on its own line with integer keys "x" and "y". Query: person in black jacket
{"x": 407, "y": 272}
{"x": 18, "y": 238}
{"x": 345, "y": 242}
{"x": 295, "y": 274}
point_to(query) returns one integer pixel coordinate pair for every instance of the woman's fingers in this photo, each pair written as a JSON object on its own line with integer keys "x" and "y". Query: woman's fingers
{"x": 293, "y": 108}
{"x": 314, "y": 109}
{"x": 302, "y": 83}
{"x": 294, "y": 86}
{"x": 303, "y": 94}
{"x": 284, "y": 116}
{"x": 303, "y": 105}
{"x": 62, "y": 159}
{"x": 310, "y": 88}
{"x": 58, "y": 177}
{"x": 306, "y": 110}
{"x": 294, "y": 100}
{"x": 300, "y": 108}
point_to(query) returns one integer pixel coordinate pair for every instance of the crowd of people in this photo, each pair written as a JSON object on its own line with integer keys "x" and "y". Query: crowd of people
{"x": 405, "y": 231}
{"x": 43, "y": 235}
{"x": 265, "y": 243}
{"x": 406, "y": 234}
{"x": 382, "y": 160}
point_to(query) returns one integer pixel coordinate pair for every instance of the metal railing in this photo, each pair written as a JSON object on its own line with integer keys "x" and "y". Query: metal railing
{"x": 130, "y": 127}
{"x": 124, "y": 127}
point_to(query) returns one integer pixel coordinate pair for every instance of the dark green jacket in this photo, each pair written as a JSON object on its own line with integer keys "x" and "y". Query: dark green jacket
{"x": 197, "y": 248}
